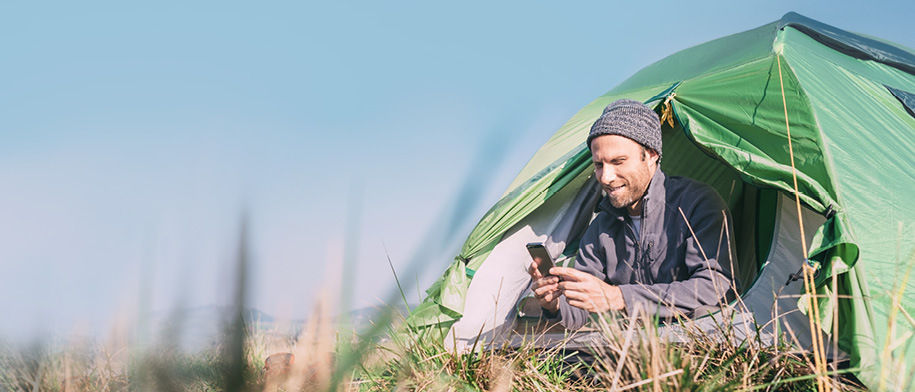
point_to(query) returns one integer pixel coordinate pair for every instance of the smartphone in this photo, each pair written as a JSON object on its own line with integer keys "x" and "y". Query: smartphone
{"x": 541, "y": 256}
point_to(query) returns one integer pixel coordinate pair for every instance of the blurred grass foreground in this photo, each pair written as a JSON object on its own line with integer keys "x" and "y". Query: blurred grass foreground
{"x": 326, "y": 354}
{"x": 322, "y": 357}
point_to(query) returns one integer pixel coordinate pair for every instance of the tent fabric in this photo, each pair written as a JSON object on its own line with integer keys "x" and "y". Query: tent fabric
{"x": 849, "y": 113}
{"x": 906, "y": 98}
{"x": 854, "y": 45}
{"x": 500, "y": 283}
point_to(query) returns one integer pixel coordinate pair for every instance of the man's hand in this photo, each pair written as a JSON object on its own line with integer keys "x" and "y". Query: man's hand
{"x": 546, "y": 289}
{"x": 586, "y": 291}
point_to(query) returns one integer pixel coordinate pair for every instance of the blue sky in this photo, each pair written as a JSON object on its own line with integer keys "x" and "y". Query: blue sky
{"x": 133, "y": 136}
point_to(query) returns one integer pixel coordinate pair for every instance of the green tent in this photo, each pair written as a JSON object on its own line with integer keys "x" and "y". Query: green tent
{"x": 850, "y": 103}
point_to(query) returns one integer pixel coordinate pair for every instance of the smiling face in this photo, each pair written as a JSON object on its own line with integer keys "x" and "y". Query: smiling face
{"x": 624, "y": 169}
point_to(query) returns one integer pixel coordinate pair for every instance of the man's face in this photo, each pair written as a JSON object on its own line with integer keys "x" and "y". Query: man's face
{"x": 624, "y": 169}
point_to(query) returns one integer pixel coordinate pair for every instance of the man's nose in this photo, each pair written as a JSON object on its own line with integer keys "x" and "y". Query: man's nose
{"x": 607, "y": 176}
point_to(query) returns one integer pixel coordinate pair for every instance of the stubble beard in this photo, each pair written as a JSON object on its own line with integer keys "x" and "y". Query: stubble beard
{"x": 633, "y": 192}
{"x": 622, "y": 201}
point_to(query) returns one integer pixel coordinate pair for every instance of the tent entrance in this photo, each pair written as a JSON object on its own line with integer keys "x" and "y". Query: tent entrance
{"x": 764, "y": 245}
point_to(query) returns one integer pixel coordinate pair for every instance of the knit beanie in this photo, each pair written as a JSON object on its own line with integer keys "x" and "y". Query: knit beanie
{"x": 631, "y": 119}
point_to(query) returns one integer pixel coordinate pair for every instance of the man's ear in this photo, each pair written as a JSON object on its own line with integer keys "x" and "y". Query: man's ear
{"x": 652, "y": 155}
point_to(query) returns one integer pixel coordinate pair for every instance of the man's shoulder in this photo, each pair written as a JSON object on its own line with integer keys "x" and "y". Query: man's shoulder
{"x": 677, "y": 183}
{"x": 605, "y": 219}
{"x": 685, "y": 190}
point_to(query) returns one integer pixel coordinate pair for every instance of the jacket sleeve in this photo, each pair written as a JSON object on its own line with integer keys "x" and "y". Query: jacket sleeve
{"x": 590, "y": 254}
{"x": 707, "y": 260}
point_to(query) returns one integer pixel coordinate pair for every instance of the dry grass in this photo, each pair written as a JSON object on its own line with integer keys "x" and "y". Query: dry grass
{"x": 632, "y": 356}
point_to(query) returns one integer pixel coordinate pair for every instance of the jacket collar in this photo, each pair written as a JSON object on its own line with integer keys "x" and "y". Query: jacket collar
{"x": 654, "y": 198}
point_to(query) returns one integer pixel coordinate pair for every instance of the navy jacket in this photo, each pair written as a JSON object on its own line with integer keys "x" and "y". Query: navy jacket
{"x": 668, "y": 269}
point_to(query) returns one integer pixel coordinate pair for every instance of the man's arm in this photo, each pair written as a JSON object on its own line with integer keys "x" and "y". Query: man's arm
{"x": 586, "y": 291}
{"x": 706, "y": 257}
{"x": 590, "y": 254}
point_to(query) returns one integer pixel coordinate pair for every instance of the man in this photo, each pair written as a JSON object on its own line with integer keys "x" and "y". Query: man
{"x": 657, "y": 242}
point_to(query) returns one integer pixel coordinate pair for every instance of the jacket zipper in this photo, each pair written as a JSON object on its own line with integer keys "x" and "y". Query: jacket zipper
{"x": 641, "y": 255}
{"x": 645, "y": 265}
{"x": 638, "y": 250}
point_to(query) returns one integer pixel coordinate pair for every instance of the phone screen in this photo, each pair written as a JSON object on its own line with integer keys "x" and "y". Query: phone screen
{"x": 541, "y": 256}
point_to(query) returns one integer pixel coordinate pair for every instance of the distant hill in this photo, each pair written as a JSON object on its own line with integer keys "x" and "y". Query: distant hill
{"x": 194, "y": 328}
{"x": 360, "y": 319}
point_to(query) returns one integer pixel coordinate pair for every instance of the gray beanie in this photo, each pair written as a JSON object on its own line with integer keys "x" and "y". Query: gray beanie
{"x": 631, "y": 119}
